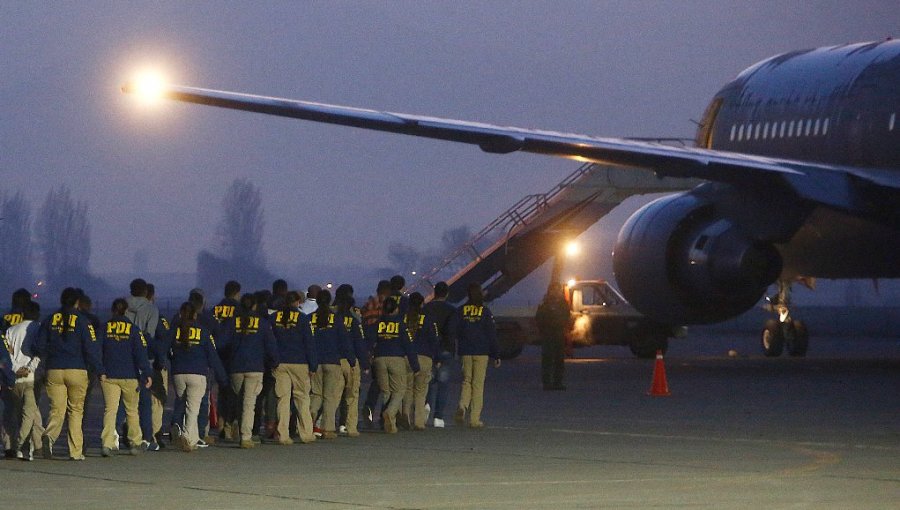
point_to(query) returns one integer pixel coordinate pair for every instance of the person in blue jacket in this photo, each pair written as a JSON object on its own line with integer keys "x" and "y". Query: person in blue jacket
{"x": 192, "y": 354}
{"x": 297, "y": 352}
{"x": 252, "y": 344}
{"x": 332, "y": 346}
{"x": 125, "y": 359}
{"x": 67, "y": 345}
{"x": 392, "y": 344}
{"x": 424, "y": 333}
{"x": 352, "y": 319}
{"x": 476, "y": 337}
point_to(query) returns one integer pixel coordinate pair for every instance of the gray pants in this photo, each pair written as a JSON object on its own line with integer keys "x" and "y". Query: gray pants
{"x": 190, "y": 388}
{"x": 247, "y": 386}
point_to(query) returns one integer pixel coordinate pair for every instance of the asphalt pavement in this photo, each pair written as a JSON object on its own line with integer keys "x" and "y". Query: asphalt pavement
{"x": 737, "y": 432}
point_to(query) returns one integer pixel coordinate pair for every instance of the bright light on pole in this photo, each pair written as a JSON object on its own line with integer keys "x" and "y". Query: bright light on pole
{"x": 572, "y": 249}
{"x": 148, "y": 86}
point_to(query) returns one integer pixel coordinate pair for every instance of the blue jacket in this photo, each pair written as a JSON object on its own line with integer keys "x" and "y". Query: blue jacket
{"x": 158, "y": 348}
{"x": 391, "y": 338}
{"x": 73, "y": 346}
{"x": 251, "y": 348}
{"x": 124, "y": 350}
{"x": 354, "y": 328}
{"x": 332, "y": 343}
{"x": 294, "y": 338}
{"x": 425, "y": 339}
{"x": 7, "y": 376}
{"x": 195, "y": 354}
{"x": 475, "y": 332}
{"x": 226, "y": 309}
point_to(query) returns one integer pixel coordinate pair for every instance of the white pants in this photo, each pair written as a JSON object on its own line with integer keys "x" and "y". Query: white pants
{"x": 190, "y": 388}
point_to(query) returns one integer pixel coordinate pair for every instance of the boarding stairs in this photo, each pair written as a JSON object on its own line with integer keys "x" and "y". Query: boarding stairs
{"x": 530, "y": 232}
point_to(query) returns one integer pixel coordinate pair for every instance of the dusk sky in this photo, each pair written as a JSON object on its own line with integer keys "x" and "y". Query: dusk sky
{"x": 154, "y": 178}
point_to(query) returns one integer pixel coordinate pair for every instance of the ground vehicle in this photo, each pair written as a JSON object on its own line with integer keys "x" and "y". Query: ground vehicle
{"x": 601, "y": 316}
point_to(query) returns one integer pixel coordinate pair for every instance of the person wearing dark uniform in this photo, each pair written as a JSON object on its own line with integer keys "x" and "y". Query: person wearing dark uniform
{"x": 352, "y": 319}
{"x": 192, "y": 351}
{"x": 125, "y": 359}
{"x": 425, "y": 342}
{"x": 476, "y": 334}
{"x": 251, "y": 341}
{"x": 553, "y": 321}
{"x": 297, "y": 351}
{"x": 392, "y": 344}
{"x": 440, "y": 312}
{"x": 226, "y": 403}
{"x": 68, "y": 344}
{"x": 332, "y": 345}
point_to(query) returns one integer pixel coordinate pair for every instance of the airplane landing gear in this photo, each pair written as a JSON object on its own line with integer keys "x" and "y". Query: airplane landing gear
{"x": 785, "y": 332}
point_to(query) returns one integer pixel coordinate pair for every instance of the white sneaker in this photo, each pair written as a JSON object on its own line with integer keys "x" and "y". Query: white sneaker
{"x": 427, "y": 411}
{"x": 115, "y": 440}
{"x": 20, "y": 455}
{"x": 438, "y": 423}
{"x": 342, "y": 429}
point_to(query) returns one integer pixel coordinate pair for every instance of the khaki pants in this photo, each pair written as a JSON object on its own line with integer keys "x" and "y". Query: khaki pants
{"x": 327, "y": 386}
{"x": 292, "y": 385}
{"x": 247, "y": 386}
{"x": 191, "y": 388}
{"x": 159, "y": 394}
{"x": 113, "y": 391}
{"x": 352, "y": 376}
{"x": 66, "y": 390}
{"x": 391, "y": 374}
{"x": 419, "y": 385}
{"x": 27, "y": 410}
{"x": 474, "y": 369}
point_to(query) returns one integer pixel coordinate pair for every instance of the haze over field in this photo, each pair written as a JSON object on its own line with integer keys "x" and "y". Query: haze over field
{"x": 154, "y": 178}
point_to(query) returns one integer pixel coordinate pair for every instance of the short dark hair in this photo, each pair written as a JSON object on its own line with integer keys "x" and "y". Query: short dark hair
{"x": 32, "y": 311}
{"x": 138, "y": 287}
{"x": 232, "y": 288}
{"x": 476, "y": 295}
{"x": 384, "y": 287}
{"x": 279, "y": 286}
{"x": 20, "y": 298}
{"x": 197, "y": 301}
{"x": 313, "y": 290}
{"x": 397, "y": 283}
{"x": 441, "y": 290}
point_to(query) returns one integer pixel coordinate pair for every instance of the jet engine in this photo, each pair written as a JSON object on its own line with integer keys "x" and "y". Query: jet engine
{"x": 679, "y": 260}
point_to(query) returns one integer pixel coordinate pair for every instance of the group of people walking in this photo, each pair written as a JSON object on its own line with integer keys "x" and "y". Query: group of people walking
{"x": 282, "y": 365}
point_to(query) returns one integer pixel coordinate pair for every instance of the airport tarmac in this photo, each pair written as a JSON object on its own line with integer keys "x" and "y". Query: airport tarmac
{"x": 744, "y": 432}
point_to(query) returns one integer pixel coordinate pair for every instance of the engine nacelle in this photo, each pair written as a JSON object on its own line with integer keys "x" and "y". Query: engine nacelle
{"x": 679, "y": 261}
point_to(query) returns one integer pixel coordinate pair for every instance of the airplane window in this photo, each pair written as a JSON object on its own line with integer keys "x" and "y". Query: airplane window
{"x": 783, "y": 126}
{"x": 733, "y": 129}
{"x": 816, "y": 127}
{"x": 740, "y": 132}
{"x": 766, "y": 131}
{"x": 808, "y": 126}
{"x": 891, "y": 123}
{"x": 791, "y": 130}
{"x": 825, "y": 126}
{"x": 756, "y": 132}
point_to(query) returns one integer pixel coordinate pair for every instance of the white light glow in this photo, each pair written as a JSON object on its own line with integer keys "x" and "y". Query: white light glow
{"x": 572, "y": 249}
{"x": 148, "y": 86}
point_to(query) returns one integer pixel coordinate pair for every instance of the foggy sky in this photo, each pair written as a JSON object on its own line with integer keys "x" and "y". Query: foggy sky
{"x": 155, "y": 178}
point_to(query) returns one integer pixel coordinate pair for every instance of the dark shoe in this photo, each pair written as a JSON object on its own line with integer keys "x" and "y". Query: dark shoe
{"x": 9, "y": 454}
{"x": 159, "y": 440}
{"x": 46, "y": 448}
{"x": 202, "y": 444}
{"x": 105, "y": 452}
{"x": 153, "y": 447}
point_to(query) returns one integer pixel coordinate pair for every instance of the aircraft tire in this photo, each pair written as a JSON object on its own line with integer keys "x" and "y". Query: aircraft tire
{"x": 645, "y": 347}
{"x": 798, "y": 345}
{"x": 772, "y": 339}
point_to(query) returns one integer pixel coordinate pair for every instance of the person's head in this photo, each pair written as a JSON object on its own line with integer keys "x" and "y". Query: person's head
{"x": 292, "y": 299}
{"x": 343, "y": 292}
{"x": 119, "y": 307}
{"x": 323, "y": 300}
{"x": 151, "y": 291}
{"x": 476, "y": 295}
{"x": 187, "y": 312}
{"x": 248, "y": 302}
{"x": 85, "y": 303}
{"x": 262, "y": 298}
{"x": 138, "y": 287}
{"x": 312, "y": 292}
{"x": 279, "y": 288}
{"x": 32, "y": 311}
{"x": 196, "y": 299}
{"x": 416, "y": 300}
{"x": 390, "y": 307}
{"x": 68, "y": 298}
{"x": 384, "y": 289}
{"x": 441, "y": 290}
{"x": 397, "y": 283}
{"x": 21, "y": 298}
{"x": 232, "y": 289}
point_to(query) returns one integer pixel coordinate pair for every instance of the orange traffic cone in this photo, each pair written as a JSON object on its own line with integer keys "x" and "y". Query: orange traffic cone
{"x": 659, "y": 388}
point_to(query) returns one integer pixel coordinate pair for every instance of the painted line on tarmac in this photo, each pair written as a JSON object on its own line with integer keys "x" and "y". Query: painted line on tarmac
{"x": 294, "y": 498}
{"x": 709, "y": 439}
{"x": 74, "y": 475}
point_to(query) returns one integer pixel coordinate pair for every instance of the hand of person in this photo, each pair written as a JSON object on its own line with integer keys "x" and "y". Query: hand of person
{"x": 366, "y": 371}
{"x": 148, "y": 383}
{"x": 437, "y": 364}
{"x": 497, "y": 363}
{"x": 102, "y": 377}
{"x": 22, "y": 372}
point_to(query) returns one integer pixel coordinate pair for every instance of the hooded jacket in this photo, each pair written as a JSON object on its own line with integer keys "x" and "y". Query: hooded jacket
{"x": 142, "y": 313}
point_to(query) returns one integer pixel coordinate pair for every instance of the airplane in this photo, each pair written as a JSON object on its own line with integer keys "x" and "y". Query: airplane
{"x": 800, "y": 154}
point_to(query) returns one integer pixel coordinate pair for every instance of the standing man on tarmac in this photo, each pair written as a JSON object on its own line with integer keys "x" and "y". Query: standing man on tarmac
{"x": 553, "y": 322}
{"x": 476, "y": 334}
{"x": 371, "y": 313}
{"x": 440, "y": 312}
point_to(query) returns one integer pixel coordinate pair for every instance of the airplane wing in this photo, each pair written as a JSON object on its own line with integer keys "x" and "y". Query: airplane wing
{"x": 834, "y": 186}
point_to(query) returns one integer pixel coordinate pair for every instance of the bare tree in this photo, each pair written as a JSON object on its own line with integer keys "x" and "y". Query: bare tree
{"x": 64, "y": 237}
{"x": 404, "y": 258}
{"x": 241, "y": 230}
{"x": 15, "y": 242}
